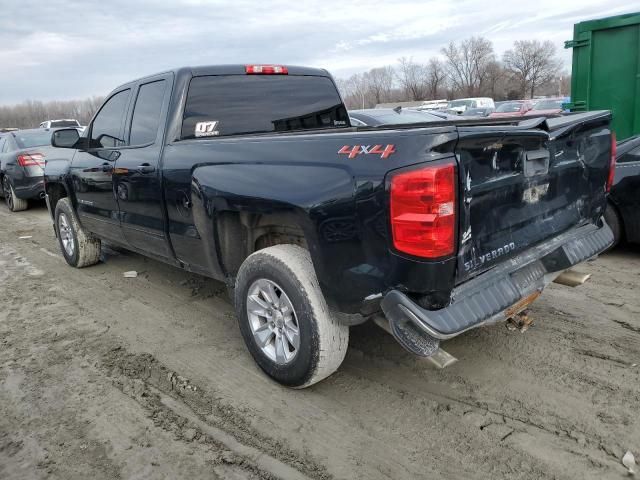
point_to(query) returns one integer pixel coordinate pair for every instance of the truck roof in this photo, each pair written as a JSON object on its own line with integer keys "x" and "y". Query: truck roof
{"x": 233, "y": 69}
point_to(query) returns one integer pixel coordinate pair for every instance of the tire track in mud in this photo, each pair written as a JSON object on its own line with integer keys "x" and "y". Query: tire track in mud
{"x": 515, "y": 425}
{"x": 170, "y": 400}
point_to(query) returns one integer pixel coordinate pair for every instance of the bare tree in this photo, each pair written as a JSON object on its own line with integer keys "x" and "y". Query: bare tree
{"x": 413, "y": 77}
{"x": 354, "y": 91}
{"x": 436, "y": 75}
{"x": 467, "y": 64}
{"x": 380, "y": 83}
{"x": 31, "y": 113}
{"x": 532, "y": 63}
{"x": 496, "y": 83}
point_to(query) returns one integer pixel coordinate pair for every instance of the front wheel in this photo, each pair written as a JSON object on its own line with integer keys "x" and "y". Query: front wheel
{"x": 284, "y": 318}
{"x": 79, "y": 247}
{"x": 14, "y": 203}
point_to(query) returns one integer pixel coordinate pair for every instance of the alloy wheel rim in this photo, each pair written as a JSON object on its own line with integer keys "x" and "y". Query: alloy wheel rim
{"x": 66, "y": 235}
{"x": 273, "y": 321}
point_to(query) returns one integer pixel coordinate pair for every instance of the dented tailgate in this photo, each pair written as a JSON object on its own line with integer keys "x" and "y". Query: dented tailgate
{"x": 522, "y": 186}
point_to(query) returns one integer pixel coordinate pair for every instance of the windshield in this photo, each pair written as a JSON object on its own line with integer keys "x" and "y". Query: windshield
{"x": 462, "y": 103}
{"x": 509, "y": 107}
{"x": 64, "y": 123}
{"x": 33, "y": 139}
{"x": 548, "y": 105}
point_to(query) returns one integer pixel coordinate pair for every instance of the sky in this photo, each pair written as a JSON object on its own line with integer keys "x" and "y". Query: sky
{"x": 67, "y": 49}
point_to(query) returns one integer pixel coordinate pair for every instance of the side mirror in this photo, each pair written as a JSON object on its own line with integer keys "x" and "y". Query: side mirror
{"x": 65, "y": 138}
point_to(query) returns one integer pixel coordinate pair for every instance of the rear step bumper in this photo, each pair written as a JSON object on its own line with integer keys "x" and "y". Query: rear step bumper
{"x": 497, "y": 294}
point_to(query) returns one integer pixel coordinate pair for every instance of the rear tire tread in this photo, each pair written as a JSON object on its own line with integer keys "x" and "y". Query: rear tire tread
{"x": 333, "y": 337}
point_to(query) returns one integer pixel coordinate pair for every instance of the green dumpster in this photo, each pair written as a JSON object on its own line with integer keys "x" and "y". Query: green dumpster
{"x": 606, "y": 70}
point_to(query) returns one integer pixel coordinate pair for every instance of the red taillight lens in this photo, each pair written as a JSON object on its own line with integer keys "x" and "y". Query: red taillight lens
{"x": 266, "y": 70}
{"x": 612, "y": 163}
{"x": 423, "y": 211}
{"x": 31, "y": 160}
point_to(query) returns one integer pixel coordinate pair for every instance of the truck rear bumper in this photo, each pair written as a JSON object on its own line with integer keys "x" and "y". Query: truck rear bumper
{"x": 501, "y": 292}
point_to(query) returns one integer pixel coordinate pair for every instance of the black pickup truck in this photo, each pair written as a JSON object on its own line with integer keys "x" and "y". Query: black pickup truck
{"x": 253, "y": 175}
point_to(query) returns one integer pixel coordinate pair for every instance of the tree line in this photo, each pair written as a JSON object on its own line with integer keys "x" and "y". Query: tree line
{"x": 469, "y": 68}
{"x": 31, "y": 113}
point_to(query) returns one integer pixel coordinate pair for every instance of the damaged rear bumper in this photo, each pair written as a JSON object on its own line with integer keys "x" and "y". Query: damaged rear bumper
{"x": 495, "y": 295}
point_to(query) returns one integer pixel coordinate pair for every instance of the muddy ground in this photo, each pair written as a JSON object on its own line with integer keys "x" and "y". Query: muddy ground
{"x": 109, "y": 377}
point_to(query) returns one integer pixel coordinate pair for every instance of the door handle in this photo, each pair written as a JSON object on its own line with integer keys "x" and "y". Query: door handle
{"x": 146, "y": 168}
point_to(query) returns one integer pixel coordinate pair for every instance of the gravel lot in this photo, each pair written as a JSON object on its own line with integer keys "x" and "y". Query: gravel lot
{"x": 109, "y": 377}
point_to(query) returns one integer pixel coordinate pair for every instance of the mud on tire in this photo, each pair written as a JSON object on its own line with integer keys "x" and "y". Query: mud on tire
{"x": 323, "y": 341}
{"x": 86, "y": 247}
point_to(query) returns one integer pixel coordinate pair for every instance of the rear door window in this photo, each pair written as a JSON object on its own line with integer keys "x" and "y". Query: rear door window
{"x": 146, "y": 114}
{"x": 107, "y": 127}
{"x": 243, "y": 104}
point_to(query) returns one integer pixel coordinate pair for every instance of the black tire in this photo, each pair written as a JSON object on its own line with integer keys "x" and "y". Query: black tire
{"x": 323, "y": 341}
{"x": 612, "y": 217}
{"x": 14, "y": 203}
{"x": 86, "y": 247}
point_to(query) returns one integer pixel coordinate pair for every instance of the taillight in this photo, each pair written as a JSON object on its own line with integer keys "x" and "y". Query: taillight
{"x": 612, "y": 163}
{"x": 31, "y": 160}
{"x": 266, "y": 70}
{"x": 423, "y": 211}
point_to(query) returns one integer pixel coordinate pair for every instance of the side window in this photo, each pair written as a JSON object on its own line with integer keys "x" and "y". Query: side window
{"x": 107, "y": 126}
{"x": 632, "y": 156}
{"x": 7, "y": 145}
{"x": 1, "y": 144}
{"x": 146, "y": 114}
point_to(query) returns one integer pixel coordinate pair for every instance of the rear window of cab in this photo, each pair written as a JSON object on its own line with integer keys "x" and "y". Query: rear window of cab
{"x": 225, "y": 105}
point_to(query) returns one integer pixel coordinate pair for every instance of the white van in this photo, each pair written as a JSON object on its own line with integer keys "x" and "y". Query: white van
{"x": 433, "y": 105}
{"x": 63, "y": 122}
{"x": 462, "y": 104}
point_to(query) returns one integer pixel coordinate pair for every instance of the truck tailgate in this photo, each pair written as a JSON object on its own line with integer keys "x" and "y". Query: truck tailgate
{"x": 522, "y": 186}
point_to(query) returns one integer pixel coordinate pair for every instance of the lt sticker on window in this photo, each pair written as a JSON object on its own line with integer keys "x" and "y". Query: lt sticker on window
{"x": 207, "y": 129}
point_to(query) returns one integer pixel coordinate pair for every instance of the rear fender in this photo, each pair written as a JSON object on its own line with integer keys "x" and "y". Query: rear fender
{"x": 304, "y": 197}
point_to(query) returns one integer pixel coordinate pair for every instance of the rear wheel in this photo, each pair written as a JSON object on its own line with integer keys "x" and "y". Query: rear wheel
{"x": 284, "y": 318}
{"x": 79, "y": 247}
{"x": 612, "y": 217}
{"x": 14, "y": 203}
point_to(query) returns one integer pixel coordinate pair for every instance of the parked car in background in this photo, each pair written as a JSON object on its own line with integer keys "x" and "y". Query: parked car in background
{"x": 433, "y": 105}
{"x": 460, "y": 105}
{"x": 375, "y": 117}
{"x": 515, "y": 108}
{"x": 22, "y": 157}
{"x": 478, "y": 112}
{"x": 623, "y": 208}
{"x": 62, "y": 123}
{"x": 547, "y": 106}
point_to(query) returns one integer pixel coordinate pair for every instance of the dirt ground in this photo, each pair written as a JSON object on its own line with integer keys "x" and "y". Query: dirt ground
{"x": 109, "y": 377}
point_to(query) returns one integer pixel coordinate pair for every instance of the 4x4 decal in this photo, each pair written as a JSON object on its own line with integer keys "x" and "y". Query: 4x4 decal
{"x": 355, "y": 150}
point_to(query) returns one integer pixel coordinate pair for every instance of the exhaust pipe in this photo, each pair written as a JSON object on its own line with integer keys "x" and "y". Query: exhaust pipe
{"x": 41, "y": 195}
{"x": 571, "y": 278}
